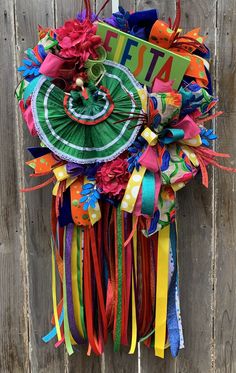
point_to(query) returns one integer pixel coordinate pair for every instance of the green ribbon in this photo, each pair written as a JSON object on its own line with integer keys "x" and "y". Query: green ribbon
{"x": 148, "y": 193}
{"x": 80, "y": 285}
{"x": 20, "y": 89}
{"x": 95, "y": 68}
{"x": 119, "y": 285}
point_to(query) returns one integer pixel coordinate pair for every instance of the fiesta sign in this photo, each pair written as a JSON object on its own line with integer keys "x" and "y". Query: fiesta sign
{"x": 146, "y": 61}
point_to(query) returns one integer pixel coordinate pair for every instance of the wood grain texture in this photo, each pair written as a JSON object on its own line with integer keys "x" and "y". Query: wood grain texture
{"x": 43, "y": 357}
{"x": 14, "y": 354}
{"x": 119, "y": 362}
{"x": 66, "y": 10}
{"x": 108, "y": 9}
{"x": 195, "y": 218}
{"x": 225, "y": 206}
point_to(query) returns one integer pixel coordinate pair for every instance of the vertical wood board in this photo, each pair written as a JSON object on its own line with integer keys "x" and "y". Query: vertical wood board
{"x": 225, "y": 201}
{"x": 14, "y": 355}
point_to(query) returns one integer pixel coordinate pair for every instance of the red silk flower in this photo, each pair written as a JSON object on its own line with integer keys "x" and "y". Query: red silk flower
{"x": 78, "y": 39}
{"x": 112, "y": 177}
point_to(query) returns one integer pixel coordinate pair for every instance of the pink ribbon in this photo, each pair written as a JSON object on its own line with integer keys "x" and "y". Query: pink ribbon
{"x": 54, "y": 66}
{"x": 189, "y": 127}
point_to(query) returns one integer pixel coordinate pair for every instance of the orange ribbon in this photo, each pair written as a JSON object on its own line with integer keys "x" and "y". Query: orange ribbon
{"x": 165, "y": 37}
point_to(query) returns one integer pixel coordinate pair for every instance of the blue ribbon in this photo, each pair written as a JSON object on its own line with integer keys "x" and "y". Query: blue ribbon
{"x": 172, "y": 321}
{"x": 47, "y": 338}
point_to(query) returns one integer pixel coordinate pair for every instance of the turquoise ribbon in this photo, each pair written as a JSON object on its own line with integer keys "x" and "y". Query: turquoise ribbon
{"x": 148, "y": 193}
{"x": 47, "y": 338}
{"x": 169, "y": 135}
{"x": 31, "y": 87}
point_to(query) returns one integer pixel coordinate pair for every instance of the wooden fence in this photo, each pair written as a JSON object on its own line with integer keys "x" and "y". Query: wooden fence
{"x": 206, "y": 218}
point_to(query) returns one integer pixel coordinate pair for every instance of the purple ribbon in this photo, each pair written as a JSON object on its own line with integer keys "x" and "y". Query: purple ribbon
{"x": 70, "y": 307}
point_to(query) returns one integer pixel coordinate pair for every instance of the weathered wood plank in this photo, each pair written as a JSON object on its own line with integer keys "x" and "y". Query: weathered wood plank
{"x": 225, "y": 203}
{"x": 43, "y": 357}
{"x": 195, "y": 224}
{"x": 107, "y": 10}
{"x": 80, "y": 362}
{"x": 66, "y": 10}
{"x": 14, "y": 355}
{"x": 115, "y": 362}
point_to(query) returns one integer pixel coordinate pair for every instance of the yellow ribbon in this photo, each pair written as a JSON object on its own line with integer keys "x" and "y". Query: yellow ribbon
{"x": 54, "y": 297}
{"x": 134, "y": 276}
{"x": 143, "y": 95}
{"x": 132, "y": 189}
{"x": 135, "y": 181}
{"x": 195, "y": 141}
{"x": 149, "y": 136}
{"x": 61, "y": 173}
{"x": 177, "y": 186}
{"x": 191, "y": 155}
{"x": 69, "y": 181}
{"x": 162, "y": 291}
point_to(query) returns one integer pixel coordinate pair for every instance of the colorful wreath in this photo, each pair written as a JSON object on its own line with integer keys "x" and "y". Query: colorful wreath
{"x": 120, "y": 107}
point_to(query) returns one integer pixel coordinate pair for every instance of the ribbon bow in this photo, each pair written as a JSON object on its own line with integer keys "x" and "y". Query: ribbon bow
{"x": 79, "y": 187}
{"x": 164, "y": 36}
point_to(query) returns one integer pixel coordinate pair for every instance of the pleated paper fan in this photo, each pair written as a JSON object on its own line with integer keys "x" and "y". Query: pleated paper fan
{"x": 97, "y": 129}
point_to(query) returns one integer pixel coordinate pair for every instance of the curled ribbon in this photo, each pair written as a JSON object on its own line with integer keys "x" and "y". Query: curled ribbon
{"x": 138, "y": 176}
{"x": 95, "y": 68}
{"x": 163, "y": 36}
{"x": 79, "y": 216}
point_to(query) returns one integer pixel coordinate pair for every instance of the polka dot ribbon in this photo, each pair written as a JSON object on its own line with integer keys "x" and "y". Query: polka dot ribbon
{"x": 185, "y": 45}
{"x": 136, "y": 179}
{"x": 79, "y": 215}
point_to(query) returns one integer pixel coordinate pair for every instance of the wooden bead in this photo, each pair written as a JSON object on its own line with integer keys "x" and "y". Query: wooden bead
{"x": 79, "y": 82}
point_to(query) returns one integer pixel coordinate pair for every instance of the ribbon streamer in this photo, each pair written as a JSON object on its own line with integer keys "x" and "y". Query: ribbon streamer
{"x": 161, "y": 291}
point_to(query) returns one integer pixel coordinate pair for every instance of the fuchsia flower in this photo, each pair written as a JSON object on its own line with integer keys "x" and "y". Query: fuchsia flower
{"x": 78, "y": 39}
{"x": 112, "y": 177}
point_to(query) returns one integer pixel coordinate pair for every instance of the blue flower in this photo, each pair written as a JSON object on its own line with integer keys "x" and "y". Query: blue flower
{"x": 207, "y": 135}
{"x": 32, "y": 64}
{"x": 119, "y": 19}
{"x": 136, "y": 151}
